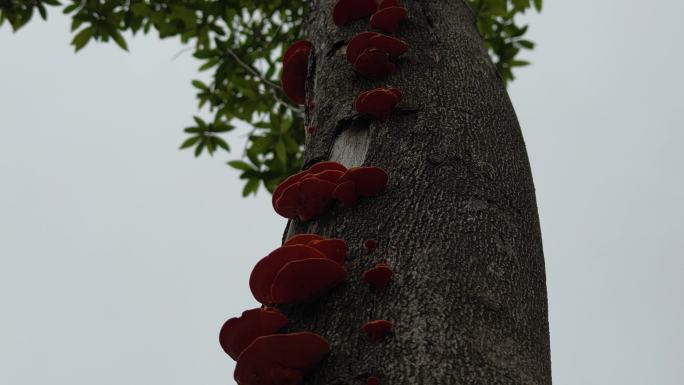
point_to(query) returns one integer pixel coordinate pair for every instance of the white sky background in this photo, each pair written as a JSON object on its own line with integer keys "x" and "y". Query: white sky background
{"x": 120, "y": 257}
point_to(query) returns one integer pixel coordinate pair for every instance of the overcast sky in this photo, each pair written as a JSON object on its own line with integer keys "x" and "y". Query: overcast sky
{"x": 120, "y": 257}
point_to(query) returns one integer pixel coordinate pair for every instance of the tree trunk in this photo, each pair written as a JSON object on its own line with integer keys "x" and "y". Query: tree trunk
{"x": 458, "y": 222}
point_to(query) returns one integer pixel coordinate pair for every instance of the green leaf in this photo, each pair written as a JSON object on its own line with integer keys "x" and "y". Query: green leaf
{"x": 240, "y": 165}
{"x": 190, "y": 142}
{"x": 82, "y": 38}
{"x": 281, "y": 152}
{"x": 198, "y": 84}
{"x": 120, "y": 41}
{"x": 538, "y": 5}
{"x": 251, "y": 186}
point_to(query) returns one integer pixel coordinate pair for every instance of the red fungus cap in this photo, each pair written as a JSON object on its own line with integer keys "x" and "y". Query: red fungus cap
{"x": 237, "y": 333}
{"x": 388, "y": 19}
{"x": 302, "y": 239}
{"x": 335, "y": 249}
{"x": 292, "y": 179}
{"x": 372, "y": 380}
{"x": 387, "y": 3}
{"x": 295, "y": 67}
{"x": 374, "y": 64}
{"x": 306, "y": 199}
{"x": 368, "y": 181}
{"x": 349, "y": 10}
{"x": 280, "y": 359}
{"x": 345, "y": 192}
{"x": 365, "y": 40}
{"x": 266, "y": 270}
{"x": 378, "y": 277}
{"x": 377, "y": 329}
{"x": 370, "y": 245}
{"x": 307, "y": 193}
{"x": 315, "y": 195}
{"x": 296, "y": 46}
{"x": 306, "y": 280}
{"x": 378, "y": 103}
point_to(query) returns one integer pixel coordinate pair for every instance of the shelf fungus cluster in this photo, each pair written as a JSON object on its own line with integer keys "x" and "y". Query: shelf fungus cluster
{"x": 385, "y": 14}
{"x": 309, "y": 193}
{"x": 373, "y": 54}
{"x": 277, "y": 278}
{"x": 266, "y": 357}
{"x": 308, "y": 266}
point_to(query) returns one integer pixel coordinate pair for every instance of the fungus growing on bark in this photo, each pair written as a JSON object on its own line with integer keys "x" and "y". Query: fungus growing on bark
{"x": 377, "y": 329}
{"x": 310, "y": 129}
{"x": 370, "y": 245}
{"x": 374, "y": 64}
{"x": 298, "y": 273}
{"x": 307, "y": 193}
{"x": 280, "y": 359}
{"x": 378, "y": 103}
{"x": 387, "y": 19}
{"x": 334, "y": 249}
{"x": 372, "y": 380}
{"x": 306, "y": 280}
{"x": 295, "y": 67}
{"x": 350, "y": 10}
{"x": 302, "y": 239}
{"x": 266, "y": 270}
{"x": 346, "y": 193}
{"x": 237, "y": 333}
{"x": 368, "y": 181}
{"x": 387, "y": 3}
{"x": 364, "y": 41}
{"x": 378, "y": 277}
{"x": 360, "y": 182}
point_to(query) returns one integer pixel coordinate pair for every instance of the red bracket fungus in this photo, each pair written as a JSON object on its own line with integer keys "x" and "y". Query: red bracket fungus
{"x": 378, "y": 277}
{"x": 334, "y": 249}
{"x": 350, "y": 10}
{"x": 378, "y": 103}
{"x": 237, "y": 333}
{"x": 377, "y": 329}
{"x": 293, "y": 274}
{"x": 360, "y": 182}
{"x": 366, "y": 40}
{"x": 306, "y": 280}
{"x": 309, "y": 193}
{"x": 280, "y": 359}
{"x": 387, "y": 3}
{"x": 302, "y": 239}
{"x": 370, "y": 245}
{"x": 295, "y": 69}
{"x": 372, "y": 54}
{"x": 387, "y": 19}
{"x": 374, "y": 64}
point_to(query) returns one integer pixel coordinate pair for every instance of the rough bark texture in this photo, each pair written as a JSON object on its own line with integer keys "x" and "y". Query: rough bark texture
{"x": 458, "y": 222}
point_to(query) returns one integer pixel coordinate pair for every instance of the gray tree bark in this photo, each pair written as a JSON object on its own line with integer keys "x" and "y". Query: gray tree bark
{"x": 458, "y": 222}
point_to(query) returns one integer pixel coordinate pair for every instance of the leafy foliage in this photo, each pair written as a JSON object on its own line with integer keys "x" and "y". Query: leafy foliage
{"x": 240, "y": 42}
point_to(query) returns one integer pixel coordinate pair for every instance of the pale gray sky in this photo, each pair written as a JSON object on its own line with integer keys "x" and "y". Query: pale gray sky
{"x": 120, "y": 257}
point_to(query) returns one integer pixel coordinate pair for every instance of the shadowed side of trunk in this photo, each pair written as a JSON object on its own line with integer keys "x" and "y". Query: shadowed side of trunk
{"x": 458, "y": 222}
